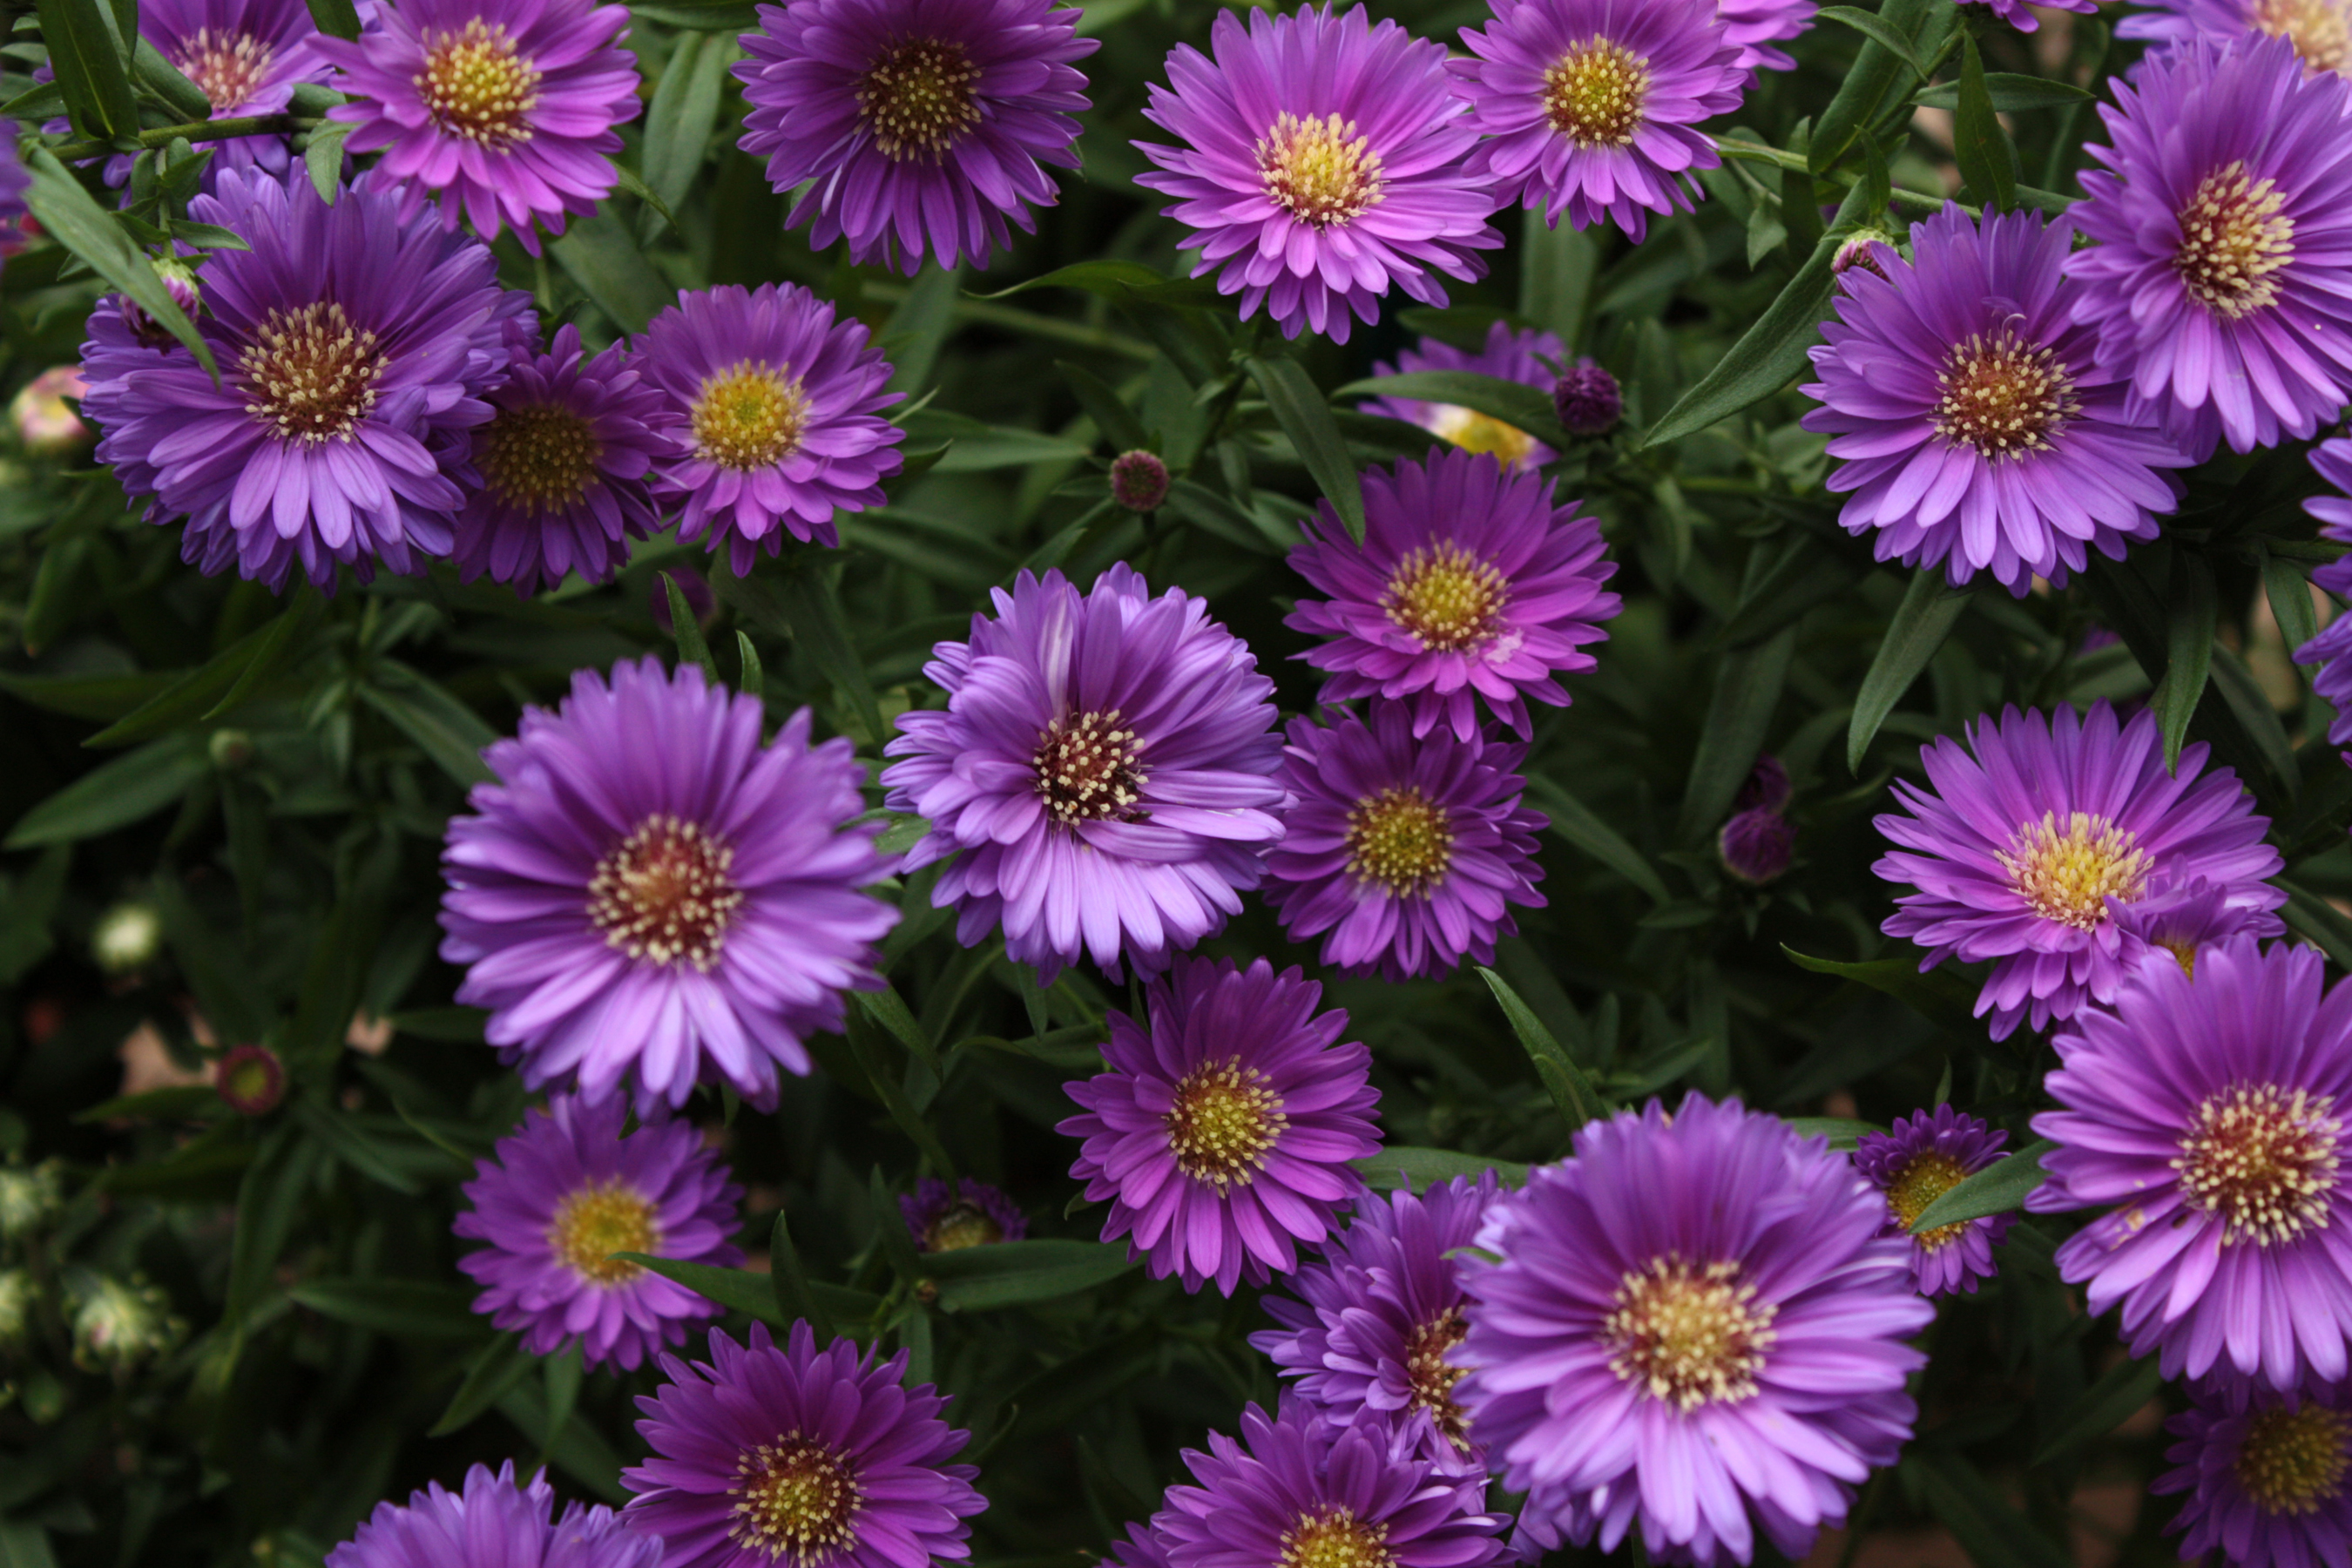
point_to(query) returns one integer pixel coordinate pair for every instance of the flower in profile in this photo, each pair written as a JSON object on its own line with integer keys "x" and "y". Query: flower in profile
{"x": 503, "y": 110}
{"x": 1756, "y": 846}
{"x": 557, "y": 478}
{"x": 944, "y": 1218}
{"x": 1404, "y": 853}
{"x": 2320, "y": 30}
{"x": 1591, "y": 106}
{"x": 2221, "y": 280}
{"x": 1530, "y": 358}
{"x": 1106, "y": 763}
{"x": 355, "y": 349}
{"x": 1753, "y": 26}
{"x": 247, "y": 56}
{"x": 2265, "y": 1475}
{"x": 1980, "y": 431}
{"x": 775, "y": 417}
{"x": 919, "y": 126}
{"x": 2332, "y": 461}
{"x": 822, "y": 1456}
{"x": 2020, "y": 852}
{"x": 1469, "y": 582}
{"x": 1588, "y": 400}
{"x": 649, "y": 893}
{"x": 1697, "y": 1306}
{"x": 563, "y": 1193}
{"x": 493, "y": 1523}
{"x": 1221, "y": 1132}
{"x": 1321, "y": 166}
{"x": 1925, "y": 1156}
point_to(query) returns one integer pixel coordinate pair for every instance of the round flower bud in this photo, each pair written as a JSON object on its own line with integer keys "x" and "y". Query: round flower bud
{"x": 126, "y": 938}
{"x": 44, "y": 420}
{"x": 251, "y": 1081}
{"x": 1587, "y": 400}
{"x": 1861, "y": 249}
{"x": 117, "y": 1324}
{"x": 1139, "y": 480}
{"x": 231, "y": 749}
{"x": 1757, "y": 846}
{"x": 30, "y": 1197}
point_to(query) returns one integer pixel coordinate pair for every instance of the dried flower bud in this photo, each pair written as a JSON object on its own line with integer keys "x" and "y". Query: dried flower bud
{"x": 1139, "y": 480}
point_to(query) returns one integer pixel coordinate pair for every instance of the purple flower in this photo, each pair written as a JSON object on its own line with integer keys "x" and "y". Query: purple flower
{"x": 2221, "y": 278}
{"x": 1753, "y": 26}
{"x": 1696, "y": 1324}
{"x": 1321, "y": 164}
{"x": 822, "y": 1456}
{"x": 970, "y": 1214}
{"x": 492, "y": 1522}
{"x": 2317, "y": 29}
{"x": 1530, "y": 358}
{"x": 2017, "y": 851}
{"x": 1591, "y": 105}
{"x": 1469, "y": 582}
{"x": 355, "y": 349}
{"x": 2265, "y": 1473}
{"x": 1222, "y": 1130}
{"x": 2184, "y": 921}
{"x": 1757, "y": 845}
{"x": 776, "y": 416}
{"x": 2332, "y": 461}
{"x": 564, "y": 1192}
{"x": 1979, "y": 432}
{"x": 14, "y": 178}
{"x": 247, "y": 56}
{"x": 1924, "y": 1157}
{"x": 504, "y": 109}
{"x": 557, "y": 478}
{"x": 1588, "y": 400}
{"x": 2019, "y": 13}
{"x": 1106, "y": 763}
{"x": 647, "y": 892}
{"x": 1141, "y": 1547}
{"x": 919, "y": 125}
{"x": 1406, "y": 852}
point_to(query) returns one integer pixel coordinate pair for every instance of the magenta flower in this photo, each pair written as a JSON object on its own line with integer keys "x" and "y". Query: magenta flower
{"x": 1753, "y": 26}
{"x": 493, "y": 1523}
{"x": 1530, "y": 358}
{"x": 2316, "y": 28}
{"x": 943, "y": 1218}
{"x": 1925, "y": 1156}
{"x": 248, "y": 55}
{"x": 2265, "y": 1475}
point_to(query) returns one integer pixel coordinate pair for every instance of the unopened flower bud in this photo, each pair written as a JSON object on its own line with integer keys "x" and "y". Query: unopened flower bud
{"x": 127, "y": 937}
{"x": 1587, "y": 400}
{"x": 45, "y": 421}
{"x": 1139, "y": 480}
{"x": 1757, "y": 846}
{"x": 251, "y": 1081}
{"x": 231, "y": 750}
{"x": 31, "y": 1196}
{"x": 180, "y": 282}
{"x": 1862, "y": 249}
{"x": 1767, "y": 786}
{"x": 118, "y": 1324}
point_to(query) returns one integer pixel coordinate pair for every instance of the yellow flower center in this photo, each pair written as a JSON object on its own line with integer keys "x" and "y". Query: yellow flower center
{"x": 538, "y": 458}
{"x": 2005, "y": 397}
{"x": 1321, "y": 171}
{"x": 1594, "y": 94}
{"x": 1223, "y": 1120}
{"x": 229, "y": 67}
{"x": 309, "y": 373}
{"x": 1334, "y": 1537}
{"x": 476, "y": 85}
{"x": 664, "y": 894}
{"x": 1432, "y": 1376}
{"x": 917, "y": 98}
{"x": 1090, "y": 769}
{"x": 964, "y": 1224}
{"x": 1924, "y": 1178}
{"x": 2264, "y": 1159}
{"x": 794, "y": 1498}
{"x": 1691, "y": 1335}
{"x": 2292, "y": 1461}
{"x": 598, "y": 1220}
{"x": 2319, "y": 29}
{"x": 1400, "y": 841}
{"x": 2232, "y": 238}
{"x": 2068, "y": 874}
{"x": 1444, "y": 595}
{"x": 749, "y": 415}
{"x": 1475, "y": 432}
{"x": 2184, "y": 952}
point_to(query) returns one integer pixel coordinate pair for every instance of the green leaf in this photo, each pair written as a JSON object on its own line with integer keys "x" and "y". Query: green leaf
{"x": 887, "y": 1008}
{"x": 1103, "y": 404}
{"x": 336, "y": 18}
{"x": 2190, "y": 618}
{"x": 2320, "y": 920}
{"x": 681, "y": 116}
{"x": 1842, "y": 1132}
{"x": 1212, "y": 513}
{"x": 1014, "y": 1273}
{"x": 886, "y": 1088}
{"x": 500, "y": 1365}
{"x": 576, "y": 1448}
{"x": 2287, "y": 584}
{"x": 27, "y": 904}
{"x": 739, "y": 1289}
{"x": 753, "y": 680}
{"x": 2101, "y": 1408}
{"x": 1305, "y": 417}
{"x": 164, "y": 81}
{"x": 789, "y": 1293}
{"x": 1511, "y": 402}
{"x": 1865, "y": 89}
{"x": 2251, "y": 705}
{"x": 1419, "y": 1169}
{"x": 803, "y": 603}
{"x": 2011, "y": 94}
{"x": 217, "y": 685}
{"x": 87, "y": 56}
{"x": 1987, "y": 159}
{"x": 1747, "y": 684}
{"x": 232, "y": 994}
{"x": 1937, "y": 994}
{"x": 1872, "y": 25}
{"x": 980, "y": 447}
{"x": 1807, "y": 573}
{"x": 181, "y": 1103}
{"x": 691, "y": 649}
{"x": 1999, "y": 1188}
{"x": 1575, "y": 821}
{"x": 98, "y": 698}
{"x": 1119, "y": 281}
{"x": 1578, "y": 1101}
{"x": 128, "y": 789}
{"x": 339, "y": 1135}
{"x": 603, "y": 259}
{"x": 1929, "y": 611}
{"x": 412, "y": 1309}
{"x": 323, "y": 159}
{"x": 268, "y": 1202}
{"x": 1557, "y": 264}
{"x": 468, "y": 1024}
{"x": 921, "y": 327}
{"x": 90, "y": 232}
{"x": 1993, "y": 1533}
{"x": 449, "y": 731}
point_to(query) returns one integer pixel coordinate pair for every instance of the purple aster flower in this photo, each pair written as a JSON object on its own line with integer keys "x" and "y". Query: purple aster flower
{"x": 1469, "y": 582}
{"x": 2185, "y": 921}
{"x": 2221, "y": 278}
{"x": 1696, "y": 1325}
{"x": 944, "y": 1218}
{"x": 1756, "y": 846}
{"x": 822, "y": 1456}
{"x": 1590, "y": 105}
{"x": 2017, "y": 851}
{"x": 2019, "y": 13}
{"x": 1980, "y": 431}
{"x": 1530, "y": 358}
{"x": 564, "y": 1192}
{"x": 1753, "y": 26}
{"x": 1321, "y": 164}
{"x": 1141, "y": 1547}
{"x": 2332, "y": 460}
{"x": 245, "y": 55}
{"x": 505, "y": 110}
{"x": 1925, "y": 1156}
{"x": 1106, "y": 763}
{"x": 13, "y": 179}
{"x": 354, "y": 348}
{"x": 647, "y": 892}
{"x": 2320, "y": 30}
{"x": 919, "y": 125}
{"x": 2211, "y": 1111}
{"x": 1406, "y": 852}
{"x": 2265, "y": 1473}
{"x": 1588, "y": 400}
{"x": 776, "y": 416}
{"x": 493, "y": 1523}
{"x": 1223, "y": 1132}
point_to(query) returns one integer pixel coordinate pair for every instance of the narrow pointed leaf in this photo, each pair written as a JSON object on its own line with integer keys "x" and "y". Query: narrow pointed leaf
{"x": 1306, "y": 417}
{"x": 2000, "y": 1188}
{"x": 1929, "y": 611}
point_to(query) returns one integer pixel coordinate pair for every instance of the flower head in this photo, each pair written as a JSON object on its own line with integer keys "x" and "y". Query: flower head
{"x": 1756, "y": 846}
{"x": 2265, "y": 1474}
{"x": 251, "y": 1080}
{"x": 1925, "y": 1156}
{"x": 1588, "y": 400}
{"x": 2182, "y": 921}
{"x": 2320, "y": 30}
{"x": 1530, "y": 358}
{"x": 493, "y": 1523}
{"x": 118, "y": 1324}
{"x": 944, "y": 1218}
{"x": 247, "y": 56}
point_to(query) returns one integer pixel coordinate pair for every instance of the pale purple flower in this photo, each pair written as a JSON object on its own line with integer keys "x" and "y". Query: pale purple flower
{"x": 2265, "y": 1476}
{"x": 492, "y": 1521}
{"x": 2321, "y": 30}
{"x": 1753, "y": 26}
{"x": 1925, "y": 1156}
{"x": 1530, "y": 358}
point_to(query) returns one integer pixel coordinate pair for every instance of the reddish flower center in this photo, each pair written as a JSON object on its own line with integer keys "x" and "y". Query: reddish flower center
{"x": 2233, "y": 236}
{"x": 1090, "y": 769}
{"x": 917, "y": 98}
{"x": 794, "y": 1498}
{"x": 1334, "y": 1537}
{"x": 1688, "y": 1334}
{"x": 309, "y": 373}
{"x": 1432, "y": 1376}
{"x": 229, "y": 67}
{"x": 1222, "y": 1122}
{"x": 2004, "y": 396}
{"x": 538, "y": 458}
{"x": 597, "y": 1220}
{"x": 664, "y": 894}
{"x": 1444, "y": 595}
{"x": 476, "y": 85}
{"x": 2319, "y": 29}
{"x": 1924, "y": 1178}
{"x": 1399, "y": 840}
{"x": 1320, "y": 171}
{"x": 2068, "y": 874}
{"x": 1594, "y": 94}
{"x": 2264, "y": 1159}
{"x": 964, "y": 1225}
{"x": 2293, "y": 1461}
{"x": 749, "y": 415}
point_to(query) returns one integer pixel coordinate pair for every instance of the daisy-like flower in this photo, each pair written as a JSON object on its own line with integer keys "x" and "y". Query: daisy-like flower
{"x": 923, "y": 124}
{"x": 1591, "y": 106}
{"x": 1221, "y": 1132}
{"x": 1408, "y": 853}
{"x": 2221, "y": 278}
{"x": 1753, "y": 26}
{"x": 822, "y": 1458}
{"x": 493, "y": 1523}
{"x": 1694, "y": 1325}
{"x": 1141, "y": 1547}
{"x": 1469, "y": 582}
{"x": 1979, "y": 430}
{"x": 1925, "y": 1156}
{"x": 944, "y": 1218}
{"x": 2332, "y": 460}
{"x": 2265, "y": 1474}
{"x": 2185, "y": 921}
{"x": 776, "y": 416}
{"x": 2019, "y": 13}
{"x": 247, "y": 56}
{"x": 2320, "y": 30}
{"x": 504, "y": 112}
{"x": 1106, "y": 763}
{"x": 1530, "y": 358}
{"x": 1322, "y": 164}
{"x": 2210, "y": 1111}
{"x": 2018, "y": 851}
{"x": 649, "y": 893}
{"x": 355, "y": 349}
{"x": 563, "y": 1193}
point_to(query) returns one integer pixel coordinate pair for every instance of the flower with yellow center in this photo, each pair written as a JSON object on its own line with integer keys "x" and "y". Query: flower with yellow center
{"x": 2321, "y": 30}
{"x": 2264, "y": 1160}
{"x": 797, "y": 1501}
{"x": 1689, "y": 1334}
{"x": 2234, "y": 237}
{"x": 664, "y": 894}
{"x": 229, "y": 65}
{"x": 1333, "y": 1537}
{"x": 1222, "y": 1120}
{"x": 2293, "y": 1461}
{"x": 310, "y": 373}
{"x": 476, "y": 85}
{"x": 1400, "y": 841}
{"x": 538, "y": 458}
{"x": 1922, "y": 1180}
{"x": 1449, "y": 599}
{"x": 2068, "y": 874}
{"x": 594, "y": 1222}
{"x": 2001, "y": 396}
{"x": 1595, "y": 92}
{"x": 1321, "y": 171}
{"x": 917, "y": 99}
{"x": 749, "y": 415}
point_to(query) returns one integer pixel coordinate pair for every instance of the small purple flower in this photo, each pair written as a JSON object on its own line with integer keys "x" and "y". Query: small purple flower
{"x": 1223, "y": 1132}
{"x": 1925, "y": 1156}
{"x": 919, "y": 125}
{"x": 1694, "y": 1325}
{"x": 2019, "y": 13}
{"x": 1756, "y": 846}
{"x": 1753, "y": 26}
{"x": 1469, "y": 582}
{"x": 1407, "y": 852}
{"x": 1530, "y": 358}
{"x": 942, "y": 1218}
{"x": 2017, "y": 851}
{"x": 1321, "y": 166}
{"x": 1591, "y": 105}
{"x": 2265, "y": 1473}
{"x": 776, "y": 416}
{"x": 2317, "y": 29}
{"x": 1588, "y": 400}
{"x": 564, "y": 1192}
{"x": 822, "y": 1456}
{"x": 247, "y": 56}
{"x": 493, "y": 1523}
{"x": 1106, "y": 762}
{"x": 649, "y": 893}
{"x": 2332, "y": 461}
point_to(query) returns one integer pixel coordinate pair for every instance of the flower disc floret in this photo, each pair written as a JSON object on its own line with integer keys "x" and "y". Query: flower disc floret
{"x": 943, "y": 1218}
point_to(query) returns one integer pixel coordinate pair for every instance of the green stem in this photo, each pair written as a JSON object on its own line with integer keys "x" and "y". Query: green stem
{"x": 200, "y": 131}
{"x": 1013, "y": 320}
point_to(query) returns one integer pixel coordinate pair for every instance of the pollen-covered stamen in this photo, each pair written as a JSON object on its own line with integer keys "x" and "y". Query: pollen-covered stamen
{"x": 538, "y": 458}
{"x": 1595, "y": 93}
{"x": 749, "y": 415}
{"x": 1090, "y": 769}
{"x": 964, "y": 1225}
{"x": 2233, "y": 238}
{"x": 2068, "y": 874}
{"x": 1432, "y": 1376}
{"x": 1924, "y": 1178}
{"x": 309, "y": 373}
{"x": 1334, "y": 1537}
{"x": 1690, "y": 1334}
{"x": 1223, "y": 1119}
{"x": 796, "y": 1499}
{"x": 917, "y": 98}
{"x": 1475, "y": 432}
{"x": 1321, "y": 171}
{"x": 477, "y": 85}
{"x": 664, "y": 895}
{"x": 596, "y": 1221}
{"x": 2264, "y": 1160}
{"x": 2184, "y": 952}
{"x": 1400, "y": 841}
{"x": 230, "y": 67}
{"x": 2320, "y": 30}
{"x": 2293, "y": 1461}
{"x": 1446, "y": 596}
{"x": 2003, "y": 395}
